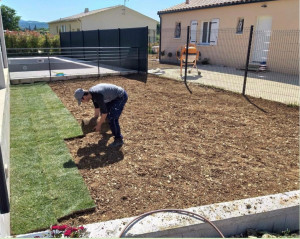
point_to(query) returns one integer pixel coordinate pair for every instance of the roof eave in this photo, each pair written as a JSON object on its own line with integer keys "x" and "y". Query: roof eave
{"x": 79, "y": 18}
{"x": 209, "y": 6}
{"x": 65, "y": 20}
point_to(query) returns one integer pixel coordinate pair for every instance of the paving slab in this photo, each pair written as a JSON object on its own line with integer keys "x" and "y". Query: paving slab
{"x": 22, "y": 77}
{"x": 267, "y": 85}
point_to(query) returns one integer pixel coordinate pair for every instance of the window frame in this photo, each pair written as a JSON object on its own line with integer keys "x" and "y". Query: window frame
{"x": 63, "y": 28}
{"x": 240, "y": 25}
{"x": 207, "y": 32}
{"x": 210, "y": 32}
{"x": 177, "y": 31}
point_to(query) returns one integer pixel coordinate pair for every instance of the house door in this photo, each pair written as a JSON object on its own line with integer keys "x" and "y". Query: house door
{"x": 262, "y": 36}
{"x": 194, "y": 25}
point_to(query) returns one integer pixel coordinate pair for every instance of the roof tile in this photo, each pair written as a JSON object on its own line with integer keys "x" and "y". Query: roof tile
{"x": 83, "y": 14}
{"x": 198, "y": 4}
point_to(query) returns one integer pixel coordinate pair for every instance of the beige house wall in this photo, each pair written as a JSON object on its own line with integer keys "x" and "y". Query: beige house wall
{"x": 54, "y": 28}
{"x": 119, "y": 18}
{"x": 285, "y": 19}
{"x": 110, "y": 19}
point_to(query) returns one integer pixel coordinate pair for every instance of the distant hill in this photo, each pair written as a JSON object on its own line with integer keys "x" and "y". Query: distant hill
{"x": 26, "y": 24}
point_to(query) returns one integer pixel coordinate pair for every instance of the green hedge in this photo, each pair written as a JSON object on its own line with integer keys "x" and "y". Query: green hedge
{"x": 30, "y": 39}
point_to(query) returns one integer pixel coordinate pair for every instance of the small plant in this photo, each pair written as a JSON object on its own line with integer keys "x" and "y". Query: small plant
{"x": 170, "y": 54}
{"x": 205, "y": 61}
{"x": 162, "y": 53}
{"x": 286, "y": 233}
{"x": 293, "y": 105}
{"x": 67, "y": 231}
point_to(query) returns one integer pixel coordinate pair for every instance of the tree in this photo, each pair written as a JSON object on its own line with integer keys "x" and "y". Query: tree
{"x": 158, "y": 28}
{"x": 9, "y": 18}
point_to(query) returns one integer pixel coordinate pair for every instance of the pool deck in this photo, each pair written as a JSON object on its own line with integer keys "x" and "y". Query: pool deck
{"x": 38, "y": 76}
{"x": 74, "y": 69}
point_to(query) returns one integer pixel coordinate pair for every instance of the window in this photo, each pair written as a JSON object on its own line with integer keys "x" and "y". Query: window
{"x": 193, "y": 38}
{"x": 63, "y": 28}
{"x": 209, "y": 32}
{"x": 206, "y": 32}
{"x": 177, "y": 32}
{"x": 57, "y": 31}
{"x": 240, "y": 26}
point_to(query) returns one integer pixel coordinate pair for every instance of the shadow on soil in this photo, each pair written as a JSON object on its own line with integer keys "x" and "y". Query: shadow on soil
{"x": 76, "y": 214}
{"x": 138, "y": 77}
{"x": 99, "y": 155}
{"x": 252, "y": 103}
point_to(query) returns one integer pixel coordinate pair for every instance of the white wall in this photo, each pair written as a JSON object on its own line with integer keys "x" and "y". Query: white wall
{"x": 4, "y": 126}
{"x": 5, "y": 144}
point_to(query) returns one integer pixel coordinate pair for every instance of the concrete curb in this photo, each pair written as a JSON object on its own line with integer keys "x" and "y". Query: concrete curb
{"x": 17, "y": 81}
{"x": 273, "y": 213}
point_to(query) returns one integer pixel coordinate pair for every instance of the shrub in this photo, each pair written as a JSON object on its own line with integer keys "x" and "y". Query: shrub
{"x": 33, "y": 40}
{"x": 54, "y": 41}
{"x": 30, "y": 39}
{"x": 22, "y": 40}
{"x": 11, "y": 39}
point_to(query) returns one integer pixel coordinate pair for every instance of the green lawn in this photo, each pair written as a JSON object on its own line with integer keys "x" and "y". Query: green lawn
{"x": 45, "y": 182}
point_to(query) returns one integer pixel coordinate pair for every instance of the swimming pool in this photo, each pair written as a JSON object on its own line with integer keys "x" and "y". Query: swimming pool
{"x": 22, "y": 64}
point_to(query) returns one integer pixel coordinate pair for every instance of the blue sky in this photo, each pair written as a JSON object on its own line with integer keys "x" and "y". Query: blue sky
{"x": 49, "y": 10}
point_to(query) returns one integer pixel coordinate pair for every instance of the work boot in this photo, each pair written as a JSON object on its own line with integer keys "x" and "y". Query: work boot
{"x": 116, "y": 143}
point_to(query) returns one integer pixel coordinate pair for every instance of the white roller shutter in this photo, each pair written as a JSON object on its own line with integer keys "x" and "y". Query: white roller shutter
{"x": 214, "y": 31}
{"x": 194, "y": 25}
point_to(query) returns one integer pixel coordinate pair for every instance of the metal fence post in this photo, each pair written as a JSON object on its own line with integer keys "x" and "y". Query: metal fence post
{"x": 83, "y": 45}
{"x": 119, "y": 35}
{"x": 248, "y": 58}
{"x": 98, "y": 62}
{"x": 138, "y": 54}
{"x": 147, "y": 53}
{"x": 49, "y": 64}
{"x": 187, "y": 57}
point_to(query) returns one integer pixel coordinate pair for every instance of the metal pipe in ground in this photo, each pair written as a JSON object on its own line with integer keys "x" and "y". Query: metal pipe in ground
{"x": 248, "y": 58}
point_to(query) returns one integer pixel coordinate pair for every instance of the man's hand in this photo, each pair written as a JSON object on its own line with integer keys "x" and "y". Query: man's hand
{"x": 100, "y": 122}
{"x": 98, "y": 128}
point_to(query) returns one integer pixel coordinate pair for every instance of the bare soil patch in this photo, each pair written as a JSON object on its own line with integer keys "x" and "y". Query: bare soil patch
{"x": 153, "y": 63}
{"x": 182, "y": 150}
